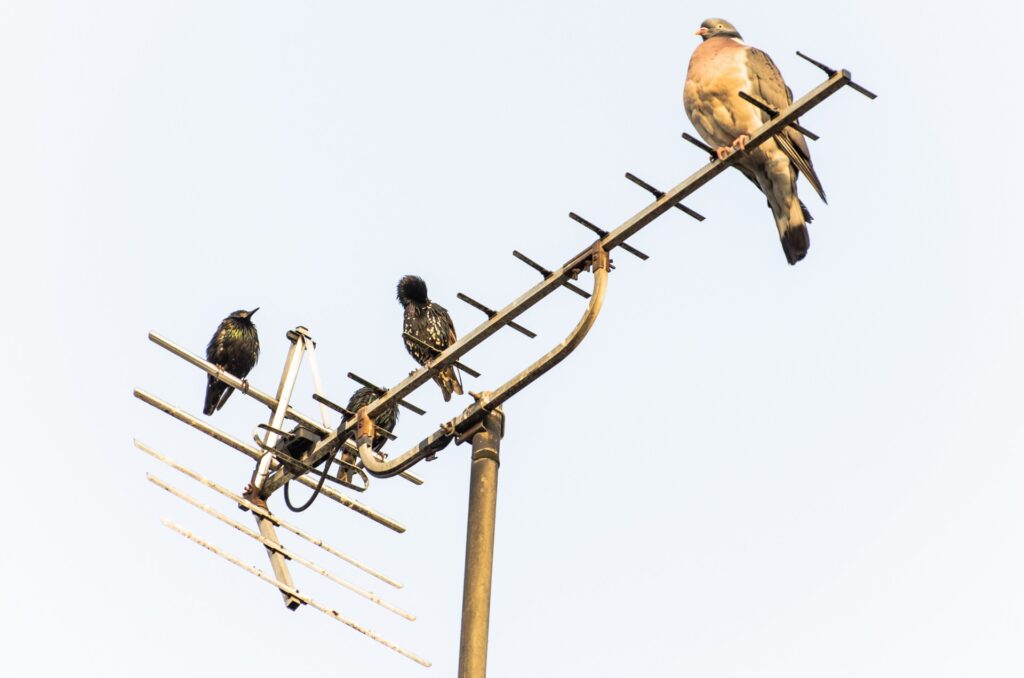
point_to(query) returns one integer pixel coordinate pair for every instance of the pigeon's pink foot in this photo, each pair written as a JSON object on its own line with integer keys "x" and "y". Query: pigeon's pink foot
{"x": 723, "y": 152}
{"x": 741, "y": 142}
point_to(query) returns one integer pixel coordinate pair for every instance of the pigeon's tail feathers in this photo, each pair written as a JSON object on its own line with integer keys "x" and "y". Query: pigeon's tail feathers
{"x": 795, "y": 242}
{"x": 802, "y": 163}
{"x": 806, "y": 212}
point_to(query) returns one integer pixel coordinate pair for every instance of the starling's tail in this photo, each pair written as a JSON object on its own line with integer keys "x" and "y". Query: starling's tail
{"x": 217, "y": 393}
{"x": 446, "y": 391}
{"x": 456, "y": 380}
{"x": 449, "y": 382}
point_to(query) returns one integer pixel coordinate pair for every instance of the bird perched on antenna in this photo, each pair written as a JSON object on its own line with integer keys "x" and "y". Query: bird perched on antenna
{"x": 386, "y": 419}
{"x": 431, "y": 330}
{"x": 235, "y": 348}
{"x": 720, "y": 68}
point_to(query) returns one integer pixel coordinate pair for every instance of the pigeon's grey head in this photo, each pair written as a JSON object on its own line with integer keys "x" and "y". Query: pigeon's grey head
{"x": 244, "y": 315}
{"x": 713, "y": 28}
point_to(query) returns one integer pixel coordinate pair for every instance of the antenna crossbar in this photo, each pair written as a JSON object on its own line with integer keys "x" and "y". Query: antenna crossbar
{"x": 276, "y": 546}
{"x": 565, "y": 273}
{"x": 255, "y": 454}
{"x": 253, "y": 570}
{"x": 277, "y": 520}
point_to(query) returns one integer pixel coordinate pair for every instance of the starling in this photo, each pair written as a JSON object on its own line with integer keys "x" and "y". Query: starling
{"x": 235, "y": 348}
{"x": 431, "y": 324}
{"x": 385, "y": 419}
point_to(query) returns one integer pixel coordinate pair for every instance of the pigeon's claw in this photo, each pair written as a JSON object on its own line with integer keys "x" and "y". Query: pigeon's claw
{"x": 723, "y": 152}
{"x": 741, "y": 142}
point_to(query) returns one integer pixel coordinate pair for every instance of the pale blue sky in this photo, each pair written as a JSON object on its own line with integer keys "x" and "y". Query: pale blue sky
{"x": 801, "y": 471}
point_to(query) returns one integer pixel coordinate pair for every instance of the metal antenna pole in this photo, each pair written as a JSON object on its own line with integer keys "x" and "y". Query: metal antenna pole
{"x": 482, "y": 423}
{"x": 284, "y": 396}
{"x": 253, "y": 492}
{"x": 476, "y": 591}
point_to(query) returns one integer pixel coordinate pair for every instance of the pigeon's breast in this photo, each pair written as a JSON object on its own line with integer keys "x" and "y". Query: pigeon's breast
{"x": 717, "y": 72}
{"x": 718, "y": 67}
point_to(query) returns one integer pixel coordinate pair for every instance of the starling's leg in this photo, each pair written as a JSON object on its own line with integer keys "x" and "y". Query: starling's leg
{"x": 344, "y": 472}
{"x": 245, "y": 386}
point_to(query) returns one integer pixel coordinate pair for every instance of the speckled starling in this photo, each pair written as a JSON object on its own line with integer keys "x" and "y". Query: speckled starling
{"x": 385, "y": 419}
{"x": 235, "y": 348}
{"x": 431, "y": 324}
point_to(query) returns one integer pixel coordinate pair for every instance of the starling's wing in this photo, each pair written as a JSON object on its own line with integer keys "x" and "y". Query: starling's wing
{"x": 413, "y": 326}
{"x": 214, "y": 392}
{"x": 215, "y": 354}
{"x": 451, "y": 375}
{"x": 255, "y": 348}
{"x": 224, "y": 398}
{"x": 770, "y": 88}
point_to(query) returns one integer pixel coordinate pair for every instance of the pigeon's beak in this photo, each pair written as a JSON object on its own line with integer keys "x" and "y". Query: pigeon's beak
{"x": 252, "y": 312}
{"x": 701, "y": 31}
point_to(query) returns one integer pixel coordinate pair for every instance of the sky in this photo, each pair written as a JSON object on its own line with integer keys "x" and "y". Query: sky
{"x": 746, "y": 469}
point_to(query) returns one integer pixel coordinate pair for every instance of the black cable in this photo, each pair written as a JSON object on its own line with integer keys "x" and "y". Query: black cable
{"x": 316, "y": 492}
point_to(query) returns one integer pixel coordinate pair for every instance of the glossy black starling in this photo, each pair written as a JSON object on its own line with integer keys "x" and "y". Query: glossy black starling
{"x": 235, "y": 348}
{"x": 386, "y": 419}
{"x": 431, "y": 324}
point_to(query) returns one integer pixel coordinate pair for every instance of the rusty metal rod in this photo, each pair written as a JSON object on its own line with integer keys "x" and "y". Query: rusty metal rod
{"x": 344, "y": 411}
{"x": 490, "y": 312}
{"x": 547, "y": 272}
{"x": 277, "y": 520}
{"x": 252, "y": 392}
{"x": 251, "y": 569}
{"x": 658, "y": 194}
{"x": 408, "y": 475}
{"x": 283, "y": 459}
{"x": 255, "y": 454}
{"x": 772, "y": 112}
{"x": 831, "y": 71}
{"x": 289, "y": 377}
{"x": 476, "y": 585}
{"x": 567, "y": 271}
{"x": 404, "y": 403}
{"x": 492, "y": 399}
{"x": 602, "y": 233}
{"x": 232, "y": 380}
{"x": 422, "y": 344}
{"x": 701, "y": 145}
{"x": 277, "y": 547}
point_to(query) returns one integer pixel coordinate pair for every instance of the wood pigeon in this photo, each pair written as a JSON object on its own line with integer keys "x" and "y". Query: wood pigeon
{"x": 720, "y": 68}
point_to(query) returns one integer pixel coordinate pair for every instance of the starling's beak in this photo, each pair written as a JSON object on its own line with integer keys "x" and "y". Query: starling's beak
{"x": 701, "y": 31}
{"x": 253, "y": 311}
